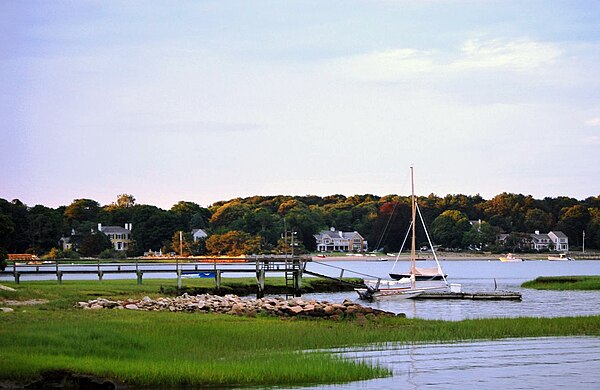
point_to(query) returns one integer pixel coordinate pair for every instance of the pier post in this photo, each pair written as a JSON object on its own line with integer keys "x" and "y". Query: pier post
{"x": 17, "y": 277}
{"x": 297, "y": 283}
{"x": 100, "y": 275}
{"x": 59, "y": 276}
{"x": 218, "y": 279}
{"x": 260, "y": 283}
{"x": 139, "y": 277}
{"x": 178, "y": 279}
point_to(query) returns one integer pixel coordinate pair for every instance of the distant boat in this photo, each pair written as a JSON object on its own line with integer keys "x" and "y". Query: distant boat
{"x": 510, "y": 258}
{"x": 378, "y": 259}
{"x": 560, "y": 257}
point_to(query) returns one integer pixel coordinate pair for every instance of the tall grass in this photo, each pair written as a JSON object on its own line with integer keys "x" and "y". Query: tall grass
{"x": 564, "y": 283}
{"x": 163, "y": 349}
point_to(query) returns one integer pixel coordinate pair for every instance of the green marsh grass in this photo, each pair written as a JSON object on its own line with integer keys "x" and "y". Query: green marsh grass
{"x": 163, "y": 349}
{"x": 564, "y": 283}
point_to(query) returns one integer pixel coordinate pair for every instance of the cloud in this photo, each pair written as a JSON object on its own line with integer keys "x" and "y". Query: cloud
{"x": 520, "y": 55}
{"x": 594, "y": 122}
{"x": 516, "y": 55}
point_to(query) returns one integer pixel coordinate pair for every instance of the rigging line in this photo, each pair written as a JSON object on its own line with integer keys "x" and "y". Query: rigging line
{"x": 386, "y": 226}
{"x": 383, "y": 235}
{"x": 401, "y": 247}
{"x": 431, "y": 245}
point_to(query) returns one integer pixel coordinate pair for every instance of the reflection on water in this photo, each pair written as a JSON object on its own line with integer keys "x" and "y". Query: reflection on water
{"x": 534, "y": 363}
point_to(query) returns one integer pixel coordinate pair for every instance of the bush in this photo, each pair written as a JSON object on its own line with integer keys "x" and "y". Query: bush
{"x": 112, "y": 254}
{"x": 3, "y": 257}
{"x": 70, "y": 254}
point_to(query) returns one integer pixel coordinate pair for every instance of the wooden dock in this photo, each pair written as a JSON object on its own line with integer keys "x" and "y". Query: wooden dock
{"x": 483, "y": 296}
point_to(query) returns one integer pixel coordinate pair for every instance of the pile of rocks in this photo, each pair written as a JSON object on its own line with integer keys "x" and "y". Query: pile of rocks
{"x": 232, "y": 304}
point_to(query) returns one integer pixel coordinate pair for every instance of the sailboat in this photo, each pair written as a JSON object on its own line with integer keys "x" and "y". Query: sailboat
{"x": 404, "y": 285}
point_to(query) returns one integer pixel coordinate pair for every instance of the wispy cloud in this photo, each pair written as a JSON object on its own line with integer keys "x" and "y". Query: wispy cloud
{"x": 594, "y": 122}
{"x": 515, "y": 55}
{"x": 520, "y": 55}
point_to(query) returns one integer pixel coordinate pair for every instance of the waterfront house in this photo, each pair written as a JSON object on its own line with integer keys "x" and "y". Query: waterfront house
{"x": 199, "y": 234}
{"x": 554, "y": 240}
{"x": 332, "y": 240}
{"x": 119, "y": 236}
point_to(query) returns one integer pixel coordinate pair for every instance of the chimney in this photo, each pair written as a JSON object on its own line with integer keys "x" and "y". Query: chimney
{"x": 99, "y": 227}
{"x": 332, "y": 229}
{"x": 341, "y": 234}
{"x": 537, "y": 232}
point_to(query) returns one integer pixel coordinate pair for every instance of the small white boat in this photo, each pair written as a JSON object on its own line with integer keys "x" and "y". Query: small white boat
{"x": 560, "y": 257}
{"x": 510, "y": 258}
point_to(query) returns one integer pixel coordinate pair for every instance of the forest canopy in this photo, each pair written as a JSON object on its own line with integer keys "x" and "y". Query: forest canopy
{"x": 256, "y": 224}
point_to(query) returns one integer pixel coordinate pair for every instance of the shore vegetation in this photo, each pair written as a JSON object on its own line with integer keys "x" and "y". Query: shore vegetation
{"x": 163, "y": 349}
{"x": 564, "y": 283}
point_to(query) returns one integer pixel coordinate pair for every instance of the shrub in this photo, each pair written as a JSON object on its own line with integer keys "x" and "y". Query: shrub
{"x": 3, "y": 257}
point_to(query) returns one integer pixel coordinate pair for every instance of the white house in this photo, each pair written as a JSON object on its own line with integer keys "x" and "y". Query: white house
{"x": 119, "y": 236}
{"x": 560, "y": 241}
{"x": 332, "y": 240}
{"x": 555, "y": 240}
{"x": 199, "y": 234}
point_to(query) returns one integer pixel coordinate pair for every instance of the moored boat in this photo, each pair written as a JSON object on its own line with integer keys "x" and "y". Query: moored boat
{"x": 509, "y": 258}
{"x": 560, "y": 257}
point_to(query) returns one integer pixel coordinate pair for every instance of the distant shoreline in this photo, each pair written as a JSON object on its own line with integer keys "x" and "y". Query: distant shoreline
{"x": 444, "y": 256}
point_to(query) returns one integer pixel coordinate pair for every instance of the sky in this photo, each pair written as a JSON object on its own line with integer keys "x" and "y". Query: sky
{"x": 210, "y": 100}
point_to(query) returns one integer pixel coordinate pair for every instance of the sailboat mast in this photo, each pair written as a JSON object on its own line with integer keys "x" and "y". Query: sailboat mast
{"x": 413, "y": 256}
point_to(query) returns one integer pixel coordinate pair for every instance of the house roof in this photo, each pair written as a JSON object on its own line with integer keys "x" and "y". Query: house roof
{"x": 559, "y": 234}
{"x": 201, "y": 231}
{"x": 539, "y": 236}
{"x": 115, "y": 229}
{"x": 336, "y": 234}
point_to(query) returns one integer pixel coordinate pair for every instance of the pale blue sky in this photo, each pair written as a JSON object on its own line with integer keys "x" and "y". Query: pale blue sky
{"x": 210, "y": 100}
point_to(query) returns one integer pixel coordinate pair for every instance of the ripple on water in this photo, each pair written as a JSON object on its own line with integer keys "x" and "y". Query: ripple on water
{"x": 528, "y": 363}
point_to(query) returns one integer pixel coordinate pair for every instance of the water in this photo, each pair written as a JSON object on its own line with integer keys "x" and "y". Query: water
{"x": 480, "y": 276}
{"x": 531, "y": 363}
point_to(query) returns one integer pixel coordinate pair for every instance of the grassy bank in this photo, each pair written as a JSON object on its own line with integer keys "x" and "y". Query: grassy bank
{"x": 564, "y": 283}
{"x": 162, "y": 349}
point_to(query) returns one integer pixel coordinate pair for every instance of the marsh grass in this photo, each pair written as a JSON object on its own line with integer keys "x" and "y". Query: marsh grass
{"x": 564, "y": 283}
{"x": 163, "y": 349}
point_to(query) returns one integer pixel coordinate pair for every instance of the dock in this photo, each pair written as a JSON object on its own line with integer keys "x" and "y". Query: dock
{"x": 483, "y": 296}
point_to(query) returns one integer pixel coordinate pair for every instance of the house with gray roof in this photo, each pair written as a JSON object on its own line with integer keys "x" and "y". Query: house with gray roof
{"x": 338, "y": 241}
{"x": 119, "y": 236}
{"x": 555, "y": 240}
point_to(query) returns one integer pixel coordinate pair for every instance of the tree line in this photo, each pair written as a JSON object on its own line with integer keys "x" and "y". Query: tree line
{"x": 256, "y": 224}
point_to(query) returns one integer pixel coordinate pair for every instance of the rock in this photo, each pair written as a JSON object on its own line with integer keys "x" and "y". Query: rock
{"x": 296, "y": 309}
{"x": 6, "y": 309}
{"x": 329, "y": 310}
{"x": 96, "y": 306}
{"x": 6, "y": 288}
{"x": 132, "y": 306}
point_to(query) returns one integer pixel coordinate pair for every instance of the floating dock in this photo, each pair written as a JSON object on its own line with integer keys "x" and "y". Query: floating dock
{"x": 484, "y": 296}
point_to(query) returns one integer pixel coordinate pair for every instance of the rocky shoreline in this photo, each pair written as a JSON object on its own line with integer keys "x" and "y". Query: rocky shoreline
{"x": 234, "y": 305}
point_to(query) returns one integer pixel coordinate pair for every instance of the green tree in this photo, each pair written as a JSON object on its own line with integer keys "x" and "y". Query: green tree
{"x": 481, "y": 235}
{"x": 592, "y": 232}
{"x": 46, "y": 226}
{"x": 3, "y": 258}
{"x": 91, "y": 243}
{"x": 83, "y": 210}
{"x": 573, "y": 221}
{"x": 449, "y": 228}
{"x": 537, "y": 219}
